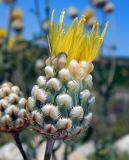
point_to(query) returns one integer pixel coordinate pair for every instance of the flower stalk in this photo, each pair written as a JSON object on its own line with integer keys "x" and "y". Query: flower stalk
{"x": 19, "y": 145}
{"x": 49, "y": 149}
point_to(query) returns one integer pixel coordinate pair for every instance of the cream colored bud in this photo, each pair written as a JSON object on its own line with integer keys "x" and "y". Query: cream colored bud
{"x": 81, "y": 73}
{"x": 6, "y": 120}
{"x": 19, "y": 123}
{"x": 49, "y": 128}
{"x": 91, "y": 100}
{"x": 12, "y": 110}
{"x": 62, "y": 61}
{"x": 88, "y": 80}
{"x": 84, "y": 95}
{"x": 64, "y": 100}
{"x": 22, "y": 102}
{"x": 88, "y": 118}
{"x": 77, "y": 112}
{"x": 13, "y": 98}
{"x": 64, "y": 74}
{"x": 50, "y": 111}
{"x": 6, "y": 90}
{"x": 22, "y": 113}
{"x": 34, "y": 89}
{"x": 3, "y": 104}
{"x": 37, "y": 117}
{"x": 7, "y": 84}
{"x": 40, "y": 95}
{"x": 15, "y": 89}
{"x": 64, "y": 123}
{"x": 54, "y": 84}
{"x": 31, "y": 102}
{"x": 73, "y": 67}
{"x": 41, "y": 81}
{"x": 77, "y": 131}
{"x": 73, "y": 85}
{"x": 49, "y": 71}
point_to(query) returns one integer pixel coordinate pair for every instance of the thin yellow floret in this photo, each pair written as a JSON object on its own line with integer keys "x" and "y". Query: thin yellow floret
{"x": 74, "y": 41}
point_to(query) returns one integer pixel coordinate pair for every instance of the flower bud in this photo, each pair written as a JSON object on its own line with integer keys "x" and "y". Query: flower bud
{"x": 54, "y": 84}
{"x": 62, "y": 60}
{"x": 64, "y": 124}
{"x": 84, "y": 95}
{"x": 73, "y": 85}
{"x": 77, "y": 131}
{"x": 13, "y": 98}
{"x": 6, "y": 90}
{"x": 40, "y": 95}
{"x": 34, "y": 89}
{"x": 88, "y": 80}
{"x": 49, "y": 71}
{"x": 64, "y": 100}
{"x": 88, "y": 117}
{"x": 6, "y": 120}
{"x": 37, "y": 117}
{"x": 19, "y": 123}
{"x": 31, "y": 102}
{"x": 73, "y": 67}
{"x": 91, "y": 100}
{"x": 22, "y": 113}
{"x": 22, "y": 102}
{"x": 77, "y": 112}
{"x": 50, "y": 111}
{"x": 41, "y": 81}
{"x": 15, "y": 89}
{"x": 64, "y": 74}
{"x": 12, "y": 110}
{"x": 49, "y": 128}
{"x": 3, "y": 104}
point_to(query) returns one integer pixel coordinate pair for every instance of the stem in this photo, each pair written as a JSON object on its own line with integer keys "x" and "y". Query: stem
{"x": 49, "y": 148}
{"x": 19, "y": 145}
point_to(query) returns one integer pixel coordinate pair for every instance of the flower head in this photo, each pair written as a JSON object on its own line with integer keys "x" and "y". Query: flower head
{"x": 61, "y": 109}
{"x": 13, "y": 116}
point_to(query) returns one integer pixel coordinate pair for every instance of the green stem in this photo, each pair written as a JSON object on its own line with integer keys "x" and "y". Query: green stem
{"x": 49, "y": 148}
{"x": 19, "y": 145}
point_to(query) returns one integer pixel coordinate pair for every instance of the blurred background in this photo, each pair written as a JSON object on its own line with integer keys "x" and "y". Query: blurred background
{"x": 24, "y": 26}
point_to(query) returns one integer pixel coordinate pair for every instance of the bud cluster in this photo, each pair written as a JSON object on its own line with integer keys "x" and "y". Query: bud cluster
{"x": 13, "y": 116}
{"x": 59, "y": 104}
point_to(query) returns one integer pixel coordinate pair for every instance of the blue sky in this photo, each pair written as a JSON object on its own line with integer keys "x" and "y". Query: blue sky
{"x": 117, "y": 33}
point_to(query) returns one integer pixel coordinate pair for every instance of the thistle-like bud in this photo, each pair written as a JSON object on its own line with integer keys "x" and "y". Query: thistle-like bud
{"x": 85, "y": 94}
{"x": 31, "y": 103}
{"x": 73, "y": 67}
{"x": 41, "y": 81}
{"x": 64, "y": 74}
{"x": 64, "y": 123}
{"x": 49, "y": 128}
{"x": 73, "y": 85}
{"x": 37, "y": 117}
{"x": 50, "y": 111}
{"x": 49, "y": 71}
{"x": 12, "y": 108}
{"x": 54, "y": 84}
{"x": 77, "y": 112}
{"x": 64, "y": 100}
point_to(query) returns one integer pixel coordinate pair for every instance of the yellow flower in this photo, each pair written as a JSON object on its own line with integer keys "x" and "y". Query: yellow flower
{"x": 73, "y": 41}
{"x": 16, "y": 15}
{"x": 2, "y": 33}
